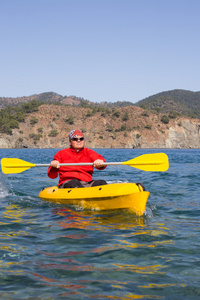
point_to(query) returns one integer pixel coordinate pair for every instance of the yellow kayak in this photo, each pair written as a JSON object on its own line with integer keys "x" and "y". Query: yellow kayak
{"x": 105, "y": 197}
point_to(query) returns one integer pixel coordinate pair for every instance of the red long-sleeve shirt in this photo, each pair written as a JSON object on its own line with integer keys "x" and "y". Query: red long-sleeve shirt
{"x": 70, "y": 155}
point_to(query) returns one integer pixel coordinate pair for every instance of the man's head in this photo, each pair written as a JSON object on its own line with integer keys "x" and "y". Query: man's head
{"x": 76, "y": 139}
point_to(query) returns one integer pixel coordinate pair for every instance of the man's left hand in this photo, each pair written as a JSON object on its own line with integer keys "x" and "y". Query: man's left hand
{"x": 98, "y": 163}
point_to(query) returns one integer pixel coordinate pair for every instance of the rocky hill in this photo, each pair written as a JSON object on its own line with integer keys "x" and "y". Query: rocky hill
{"x": 121, "y": 127}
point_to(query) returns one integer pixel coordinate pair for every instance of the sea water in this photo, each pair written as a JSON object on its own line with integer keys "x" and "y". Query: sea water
{"x": 52, "y": 251}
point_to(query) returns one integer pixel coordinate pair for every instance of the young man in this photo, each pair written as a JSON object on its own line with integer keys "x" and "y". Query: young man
{"x": 76, "y": 176}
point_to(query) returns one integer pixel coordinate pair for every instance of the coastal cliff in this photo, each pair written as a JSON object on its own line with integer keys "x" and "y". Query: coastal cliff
{"x": 124, "y": 127}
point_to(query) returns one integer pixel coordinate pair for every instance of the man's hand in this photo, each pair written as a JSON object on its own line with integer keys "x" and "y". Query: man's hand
{"x": 98, "y": 163}
{"x": 55, "y": 164}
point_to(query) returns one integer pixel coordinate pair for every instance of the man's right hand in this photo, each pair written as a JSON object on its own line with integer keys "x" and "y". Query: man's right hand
{"x": 55, "y": 164}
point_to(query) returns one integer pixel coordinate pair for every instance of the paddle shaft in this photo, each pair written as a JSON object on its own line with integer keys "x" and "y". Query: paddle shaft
{"x": 76, "y": 164}
{"x": 86, "y": 164}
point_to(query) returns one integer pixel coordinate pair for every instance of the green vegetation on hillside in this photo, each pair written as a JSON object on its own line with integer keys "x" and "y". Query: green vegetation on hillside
{"x": 174, "y": 102}
{"x": 12, "y": 115}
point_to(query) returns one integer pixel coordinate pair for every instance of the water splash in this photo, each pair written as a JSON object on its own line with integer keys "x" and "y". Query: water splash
{"x": 3, "y": 187}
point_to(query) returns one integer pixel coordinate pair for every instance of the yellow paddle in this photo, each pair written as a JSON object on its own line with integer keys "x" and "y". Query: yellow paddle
{"x": 156, "y": 162}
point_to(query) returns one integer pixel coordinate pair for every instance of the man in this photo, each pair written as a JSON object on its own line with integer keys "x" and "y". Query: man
{"x": 76, "y": 176}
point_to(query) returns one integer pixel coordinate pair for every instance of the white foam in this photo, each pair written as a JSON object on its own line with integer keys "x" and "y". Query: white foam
{"x": 3, "y": 189}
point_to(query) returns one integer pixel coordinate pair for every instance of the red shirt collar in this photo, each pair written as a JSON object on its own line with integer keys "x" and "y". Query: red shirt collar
{"x": 75, "y": 150}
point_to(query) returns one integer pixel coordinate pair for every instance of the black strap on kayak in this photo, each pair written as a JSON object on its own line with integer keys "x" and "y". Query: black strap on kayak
{"x": 139, "y": 184}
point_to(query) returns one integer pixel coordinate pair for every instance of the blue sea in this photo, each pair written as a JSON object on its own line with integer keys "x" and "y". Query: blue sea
{"x": 51, "y": 251}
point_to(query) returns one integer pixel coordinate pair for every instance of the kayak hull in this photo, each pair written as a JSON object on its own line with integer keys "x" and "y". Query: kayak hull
{"x": 105, "y": 197}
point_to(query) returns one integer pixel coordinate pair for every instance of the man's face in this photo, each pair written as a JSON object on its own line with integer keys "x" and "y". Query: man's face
{"x": 77, "y": 142}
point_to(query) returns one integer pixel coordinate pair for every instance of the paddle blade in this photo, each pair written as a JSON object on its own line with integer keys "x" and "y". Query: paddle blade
{"x": 14, "y": 165}
{"x": 156, "y": 162}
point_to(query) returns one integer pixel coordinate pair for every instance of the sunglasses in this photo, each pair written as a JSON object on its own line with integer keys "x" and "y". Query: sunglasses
{"x": 78, "y": 139}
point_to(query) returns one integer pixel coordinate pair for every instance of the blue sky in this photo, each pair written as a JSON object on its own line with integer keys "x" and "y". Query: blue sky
{"x": 101, "y": 50}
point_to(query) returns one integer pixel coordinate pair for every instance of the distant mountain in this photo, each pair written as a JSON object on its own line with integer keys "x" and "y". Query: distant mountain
{"x": 52, "y": 98}
{"x": 181, "y": 101}
{"x": 46, "y": 98}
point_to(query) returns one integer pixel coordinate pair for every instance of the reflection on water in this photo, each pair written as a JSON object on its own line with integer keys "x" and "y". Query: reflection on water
{"x": 82, "y": 263}
{"x": 73, "y": 272}
{"x": 14, "y": 213}
{"x": 97, "y": 221}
